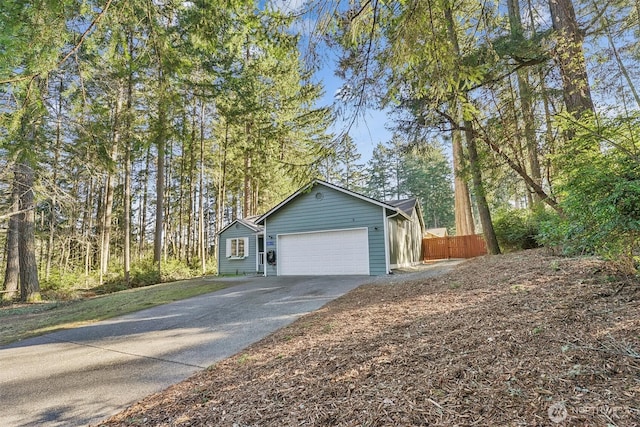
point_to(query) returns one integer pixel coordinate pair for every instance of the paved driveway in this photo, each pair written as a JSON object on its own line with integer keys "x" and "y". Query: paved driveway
{"x": 83, "y": 375}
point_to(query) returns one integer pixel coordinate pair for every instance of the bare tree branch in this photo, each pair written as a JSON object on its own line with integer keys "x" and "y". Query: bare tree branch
{"x": 9, "y": 215}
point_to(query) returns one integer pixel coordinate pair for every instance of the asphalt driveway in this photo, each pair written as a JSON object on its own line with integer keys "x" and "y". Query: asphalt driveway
{"x": 83, "y": 375}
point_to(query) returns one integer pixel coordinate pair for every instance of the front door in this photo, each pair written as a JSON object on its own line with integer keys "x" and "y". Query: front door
{"x": 260, "y": 255}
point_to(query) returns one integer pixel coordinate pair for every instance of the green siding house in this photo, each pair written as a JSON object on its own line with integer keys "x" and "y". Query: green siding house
{"x": 323, "y": 229}
{"x": 406, "y": 234}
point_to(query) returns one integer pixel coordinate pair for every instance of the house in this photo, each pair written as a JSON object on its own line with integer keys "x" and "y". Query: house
{"x": 432, "y": 233}
{"x": 324, "y": 229}
{"x": 237, "y": 247}
{"x": 405, "y": 234}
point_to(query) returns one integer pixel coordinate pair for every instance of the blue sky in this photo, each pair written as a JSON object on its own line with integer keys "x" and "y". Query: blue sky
{"x": 367, "y": 131}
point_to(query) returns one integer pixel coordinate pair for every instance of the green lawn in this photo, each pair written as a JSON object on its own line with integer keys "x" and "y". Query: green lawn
{"x": 18, "y": 322}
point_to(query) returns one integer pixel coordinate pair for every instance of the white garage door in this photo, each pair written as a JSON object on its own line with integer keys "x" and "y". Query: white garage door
{"x": 324, "y": 253}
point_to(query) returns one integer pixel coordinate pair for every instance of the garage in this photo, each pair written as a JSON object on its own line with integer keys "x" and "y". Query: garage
{"x": 336, "y": 252}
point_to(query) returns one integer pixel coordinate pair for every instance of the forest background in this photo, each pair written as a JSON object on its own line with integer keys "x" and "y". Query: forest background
{"x": 132, "y": 131}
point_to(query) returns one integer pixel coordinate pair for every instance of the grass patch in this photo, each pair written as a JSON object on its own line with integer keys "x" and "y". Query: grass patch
{"x": 244, "y": 359}
{"x": 18, "y": 322}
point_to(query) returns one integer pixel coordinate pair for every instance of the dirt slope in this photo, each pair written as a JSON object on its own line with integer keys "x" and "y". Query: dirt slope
{"x": 517, "y": 340}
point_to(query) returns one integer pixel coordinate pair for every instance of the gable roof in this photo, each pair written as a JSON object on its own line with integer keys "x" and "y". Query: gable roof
{"x": 248, "y": 222}
{"x": 334, "y": 187}
{"x": 406, "y": 205}
{"x": 437, "y": 232}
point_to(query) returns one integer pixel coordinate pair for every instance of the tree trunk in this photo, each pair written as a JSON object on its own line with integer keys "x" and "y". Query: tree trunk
{"x": 479, "y": 192}
{"x": 208, "y": 230}
{"x": 246, "y": 207}
{"x": 246, "y": 210}
{"x": 88, "y": 226}
{"x": 168, "y": 224}
{"x": 462, "y": 202}
{"x": 191, "y": 199}
{"x": 64, "y": 256}
{"x": 127, "y": 214}
{"x": 50, "y": 240}
{"x": 105, "y": 224}
{"x": 128, "y": 130}
{"x": 526, "y": 100}
{"x": 160, "y": 143}
{"x": 463, "y": 216}
{"x": 235, "y": 206}
{"x": 12, "y": 273}
{"x": 570, "y": 58}
{"x": 222, "y": 189}
{"x": 202, "y": 254}
{"x": 53, "y": 201}
{"x": 549, "y": 139}
{"x": 474, "y": 161}
{"x": 109, "y": 187}
{"x": 29, "y": 283}
{"x": 142, "y": 231}
{"x": 180, "y": 231}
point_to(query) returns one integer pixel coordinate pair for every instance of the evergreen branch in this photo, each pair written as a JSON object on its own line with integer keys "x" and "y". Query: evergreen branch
{"x": 519, "y": 66}
{"x": 453, "y": 122}
{"x": 604, "y": 138}
{"x": 596, "y": 18}
{"x": 85, "y": 34}
{"x": 64, "y": 59}
{"x": 358, "y": 13}
{"x": 367, "y": 63}
{"x": 18, "y": 79}
{"x": 534, "y": 186}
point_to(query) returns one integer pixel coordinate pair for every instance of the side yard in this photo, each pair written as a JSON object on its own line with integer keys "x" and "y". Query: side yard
{"x": 520, "y": 339}
{"x": 20, "y": 321}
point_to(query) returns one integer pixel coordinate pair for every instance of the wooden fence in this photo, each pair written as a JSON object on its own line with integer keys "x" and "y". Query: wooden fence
{"x": 453, "y": 247}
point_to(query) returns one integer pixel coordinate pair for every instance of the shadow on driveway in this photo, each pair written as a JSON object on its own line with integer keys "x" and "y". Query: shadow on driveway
{"x": 83, "y": 375}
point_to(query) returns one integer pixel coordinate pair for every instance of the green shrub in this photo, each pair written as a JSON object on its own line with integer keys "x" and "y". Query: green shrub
{"x": 65, "y": 285}
{"x": 565, "y": 236}
{"x": 74, "y": 284}
{"x": 599, "y": 194}
{"x": 145, "y": 273}
{"x": 177, "y": 270}
{"x": 516, "y": 229}
{"x": 601, "y": 215}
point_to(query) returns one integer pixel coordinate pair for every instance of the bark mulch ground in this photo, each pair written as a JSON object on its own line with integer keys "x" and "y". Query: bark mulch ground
{"x": 526, "y": 339}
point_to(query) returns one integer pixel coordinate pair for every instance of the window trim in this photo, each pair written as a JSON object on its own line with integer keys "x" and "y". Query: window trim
{"x": 234, "y": 243}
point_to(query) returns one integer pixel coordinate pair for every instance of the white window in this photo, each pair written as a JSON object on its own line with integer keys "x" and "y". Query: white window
{"x": 237, "y": 247}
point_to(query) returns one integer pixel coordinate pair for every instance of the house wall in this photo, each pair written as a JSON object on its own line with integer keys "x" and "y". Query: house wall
{"x": 334, "y": 211}
{"x": 405, "y": 241}
{"x": 246, "y": 265}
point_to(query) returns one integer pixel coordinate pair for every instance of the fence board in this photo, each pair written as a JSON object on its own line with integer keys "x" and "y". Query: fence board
{"x": 453, "y": 247}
